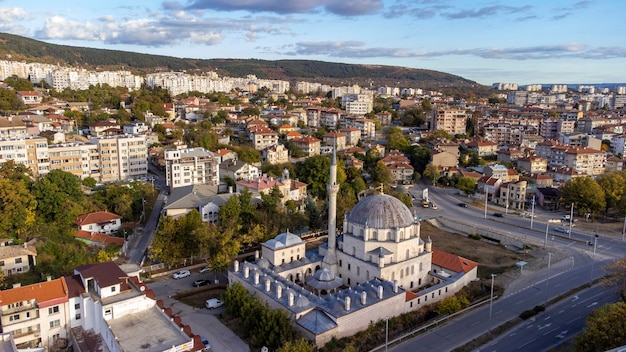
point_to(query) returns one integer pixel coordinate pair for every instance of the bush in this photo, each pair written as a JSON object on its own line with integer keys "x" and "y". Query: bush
{"x": 475, "y": 236}
{"x": 532, "y": 312}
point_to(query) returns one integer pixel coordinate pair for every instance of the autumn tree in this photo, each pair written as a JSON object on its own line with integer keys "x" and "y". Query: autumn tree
{"x": 616, "y": 275}
{"x": 585, "y": 193}
{"x": 299, "y": 345}
{"x": 614, "y": 186}
{"x": 381, "y": 174}
{"x": 17, "y": 209}
{"x": 466, "y": 184}
{"x": 432, "y": 173}
{"x": 605, "y": 329}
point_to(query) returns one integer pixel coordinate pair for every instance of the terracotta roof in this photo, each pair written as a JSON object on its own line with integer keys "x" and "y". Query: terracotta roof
{"x": 96, "y": 218}
{"x": 293, "y": 134}
{"x": 452, "y": 262}
{"x": 99, "y": 237}
{"x": 47, "y": 293}
{"x": 306, "y": 139}
{"x": 74, "y": 286}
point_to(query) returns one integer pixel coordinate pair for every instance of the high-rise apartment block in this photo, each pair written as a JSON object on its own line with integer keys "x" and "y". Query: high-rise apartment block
{"x": 192, "y": 166}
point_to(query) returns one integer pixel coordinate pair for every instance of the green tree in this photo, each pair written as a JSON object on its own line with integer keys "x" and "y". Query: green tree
{"x": 299, "y": 345}
{"x": 420, "y": 156}
{"x": 585, "y": 193}
{"x": 605, "y": 329}
{"x": 249, "y": 155}
{"x": 13, "y": 172}
{"x": 381, "y": 174}
{"x": 614, "y": 186}
{"x": 19, "y": 83}
{"x": 234, "y": 298}
{"x": 398, "y": 141}
{"x": 314, "y": 171}
{"x": 432, "y": 173}
{"x": 17, "y": 209}
{"x": 54, "y": 192}
{"x": 467, "y": 185}
{"x": 9, "y": 101}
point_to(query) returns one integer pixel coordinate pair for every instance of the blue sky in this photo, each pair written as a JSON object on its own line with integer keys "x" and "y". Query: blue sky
{"x": 522, "y": 41}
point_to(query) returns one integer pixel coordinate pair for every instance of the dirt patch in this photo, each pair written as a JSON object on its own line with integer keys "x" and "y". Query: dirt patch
{"x": 198, "y": 296}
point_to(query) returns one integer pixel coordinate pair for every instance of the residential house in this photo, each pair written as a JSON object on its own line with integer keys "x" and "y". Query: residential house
{"x": 99, "y": 221}
{"x": 100, "y": 128}
{"x": 482, "y": 147}
{"x": 509, "y": 155}
{"x": 286, "y": 128}
{"x": 384, "y": 117}
{"x": 562, "y": 174}
{"x": 614, "y": 163}
{"x": 98, "y": 239}
{"x": 366, "y": 126}
{"x": 533, "y": 164}
{"x": 541, "y": 181}
{"x": 293, "y": 135}
{"x": 336, "y": 139}
{"x": 443, "y": 159}
{"x": 309, "y": 145}
{"x": 276, "y": 154}
{"x": 225, "y": 154}
{"x": 202, "y": 198}
{"x": 490, "y": 186}
{"x": 237, "y": 170}
{"x": 512, "y": 195}
{"x": 29, "y": 97}
{"x": 585, "y": 160}
{"x": 290, "y": 189}
{"x": 263, "y": 137}
{"x": 12, "y": 127}
{"x": 353, "y": 135}
{"x": 548, "y": 198}
{"x": 497, "y": 171}
{"x": 17, "y": 259}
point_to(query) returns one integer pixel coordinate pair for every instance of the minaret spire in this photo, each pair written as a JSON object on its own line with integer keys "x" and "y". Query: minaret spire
{"x": 330, "y": 259}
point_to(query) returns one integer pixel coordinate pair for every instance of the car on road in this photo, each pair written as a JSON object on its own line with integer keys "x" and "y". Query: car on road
{"x": 561, "y": 229}
{"x": 201, "y": 282}
{"x": 464, "y": 205}
{"x": 498, "y": 215}
{"x": 181, "y": 274}
{"x": 204, "y": 269}
{"x": 206, "y": 343}
{"x": 213, "y": 303}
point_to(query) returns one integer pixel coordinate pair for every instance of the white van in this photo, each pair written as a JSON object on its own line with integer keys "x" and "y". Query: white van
{"x": 213, "y": 303}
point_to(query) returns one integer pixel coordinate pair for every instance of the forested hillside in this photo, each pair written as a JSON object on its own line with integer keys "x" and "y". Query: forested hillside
{"x": 14, "y": 47}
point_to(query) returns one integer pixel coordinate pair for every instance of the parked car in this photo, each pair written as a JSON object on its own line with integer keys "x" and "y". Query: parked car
{"x": 561, "y": 229}
{"x": 464, "y": 205}
{"x": 201, "y": 282}
{"x": 181, "y": 274}
{"x": 213, "y": 303}
{"x": 498, "y": 215}
{"x": 207, "y": 344}
{"x": 204, "y": 269}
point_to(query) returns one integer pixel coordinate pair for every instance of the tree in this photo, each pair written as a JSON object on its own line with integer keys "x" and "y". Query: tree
{"x": 398, "y": 141}
{"x": 19, "y": 83}
{"x": 466, "y": 184}
{"x": 381, "y": 174}
{"x": 17, "y": 209}
{"x": 55, "y": 191}
{"x": 432, "y": 173}
{"x": 420, "y": 156}
{"x": 616, "y": 275}
{"x": 9, "y": 100}
{"x": 249, "y": 155}
{"x": 614, "y": 186}
{"x": 605, "y": 329}
{"x": 299, "y": 345}
{"x": 585, "y": 193}
{"x": 315, "y": 172}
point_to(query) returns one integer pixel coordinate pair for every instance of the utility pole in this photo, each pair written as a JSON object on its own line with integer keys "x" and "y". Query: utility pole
{"x": 485, "y": 202}
{"x": 547, "y": 279}
{"x": 532, "y": 213}
{"x": 571, "y": 220}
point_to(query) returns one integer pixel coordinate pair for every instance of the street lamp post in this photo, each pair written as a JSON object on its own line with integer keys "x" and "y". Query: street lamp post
{"x": 593, "y": 258}
{"x": 548, "y": 278}
{"x": 386, "y": 333}
{"x": 571, "y": 219}
{"x": 506, "y": 208}
{"x": 491, "y": 302}
{"x": 545, "y": 241}
{"x": 532, "y": 213}
{"x": 485, "y": 203}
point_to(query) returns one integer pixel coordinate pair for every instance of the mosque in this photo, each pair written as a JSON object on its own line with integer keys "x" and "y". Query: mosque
{"x": 378, "y": 267}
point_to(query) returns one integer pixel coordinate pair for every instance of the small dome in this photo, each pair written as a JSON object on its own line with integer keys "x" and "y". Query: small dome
{"x": 381, "y": 211}
{"x": 302, "y": 301}
{"x": 263, "y": 263}
{"x": 324, "y": 275}
{"x": 288, "y": 239}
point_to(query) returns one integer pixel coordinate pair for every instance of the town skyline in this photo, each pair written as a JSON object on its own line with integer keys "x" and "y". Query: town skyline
{"x": 487, "y": 42}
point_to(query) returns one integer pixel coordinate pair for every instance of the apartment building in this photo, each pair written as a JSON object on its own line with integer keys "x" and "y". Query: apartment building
{"x": 585, "y": 161}
{"x": 358, "y": 104}
{"x": 80, "y": 159}
{"x": 336, "y": 139}
{"x": 512, "y": 195}
{"x": 29, "y": 151}
{"x": 238, "y": 170}
{"x": 122, "y": 157}
{"x": 533, "y": 164}
{"x": 309, "y": 145}
{"x": 263, "y": 137}
{"x": 192, "y": 166}
{"x": 452, "y": 121}
{"x": 12, "y": 127}
{"x": 36, "y": 315}
{"x": 366, "y": 126}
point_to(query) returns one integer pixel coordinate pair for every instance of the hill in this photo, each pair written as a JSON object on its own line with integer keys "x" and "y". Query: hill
{"x": 13, "y": 47}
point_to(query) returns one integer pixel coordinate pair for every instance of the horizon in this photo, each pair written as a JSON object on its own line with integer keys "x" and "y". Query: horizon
{"x": 486, "y": 42}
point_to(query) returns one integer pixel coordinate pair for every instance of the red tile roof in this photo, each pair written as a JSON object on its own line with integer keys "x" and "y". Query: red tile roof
{"x": 99, "y": 237}
{"x": 96, "y": 218}
{"x": 452, "y": 262}
{"x": 47, "y": 293}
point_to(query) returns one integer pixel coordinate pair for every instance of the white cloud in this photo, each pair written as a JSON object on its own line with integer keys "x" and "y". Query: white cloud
{"x": 10, "y": 19}
{"x": 57, "y": 27}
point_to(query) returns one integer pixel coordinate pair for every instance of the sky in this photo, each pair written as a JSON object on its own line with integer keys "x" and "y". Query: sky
{"x": 521, "y": 41}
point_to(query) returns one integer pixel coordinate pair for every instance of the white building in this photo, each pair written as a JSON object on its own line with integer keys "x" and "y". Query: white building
{"x": 193, "y": 166}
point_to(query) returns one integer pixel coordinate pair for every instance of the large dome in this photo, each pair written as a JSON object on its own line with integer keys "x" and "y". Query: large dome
{"x": 381, "y": 211}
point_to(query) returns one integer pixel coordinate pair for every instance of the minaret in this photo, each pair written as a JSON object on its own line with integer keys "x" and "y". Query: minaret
{"x": 330, "y": 259}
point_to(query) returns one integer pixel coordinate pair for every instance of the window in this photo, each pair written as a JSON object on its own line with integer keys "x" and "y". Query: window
{"x": 113, "y": 289}
{"x": 77, "y": 316}
{"x": 77, "y": 306}
{"x": 14, "y": 317}
{"x": 18, "y": 260}
{"x": 1, "y": 262}
{"x": 55, "y": 323}
{"x": 53, "y": 310}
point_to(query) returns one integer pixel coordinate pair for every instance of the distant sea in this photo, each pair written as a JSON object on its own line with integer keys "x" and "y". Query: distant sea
{"x": 574, "y": 86}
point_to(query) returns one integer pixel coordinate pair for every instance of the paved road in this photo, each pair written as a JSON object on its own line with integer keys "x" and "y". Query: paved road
{"x": 550, "y": 328}
{"x": 203, "y": 322}
{"x": 530, "y": 290}
{"x": 139, "y": 245}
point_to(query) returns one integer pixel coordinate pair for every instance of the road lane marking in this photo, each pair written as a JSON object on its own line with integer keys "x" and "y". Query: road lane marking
{"x": 527, "y": 343}
{"x": 561, "y": 311}
{"x": 474, "y": 323}
{"x": 551, "y": 331}
{"x": 573, "y": 320}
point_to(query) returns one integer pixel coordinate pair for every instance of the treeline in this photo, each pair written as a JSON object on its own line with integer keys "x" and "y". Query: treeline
{"x": 336, "y": 74}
